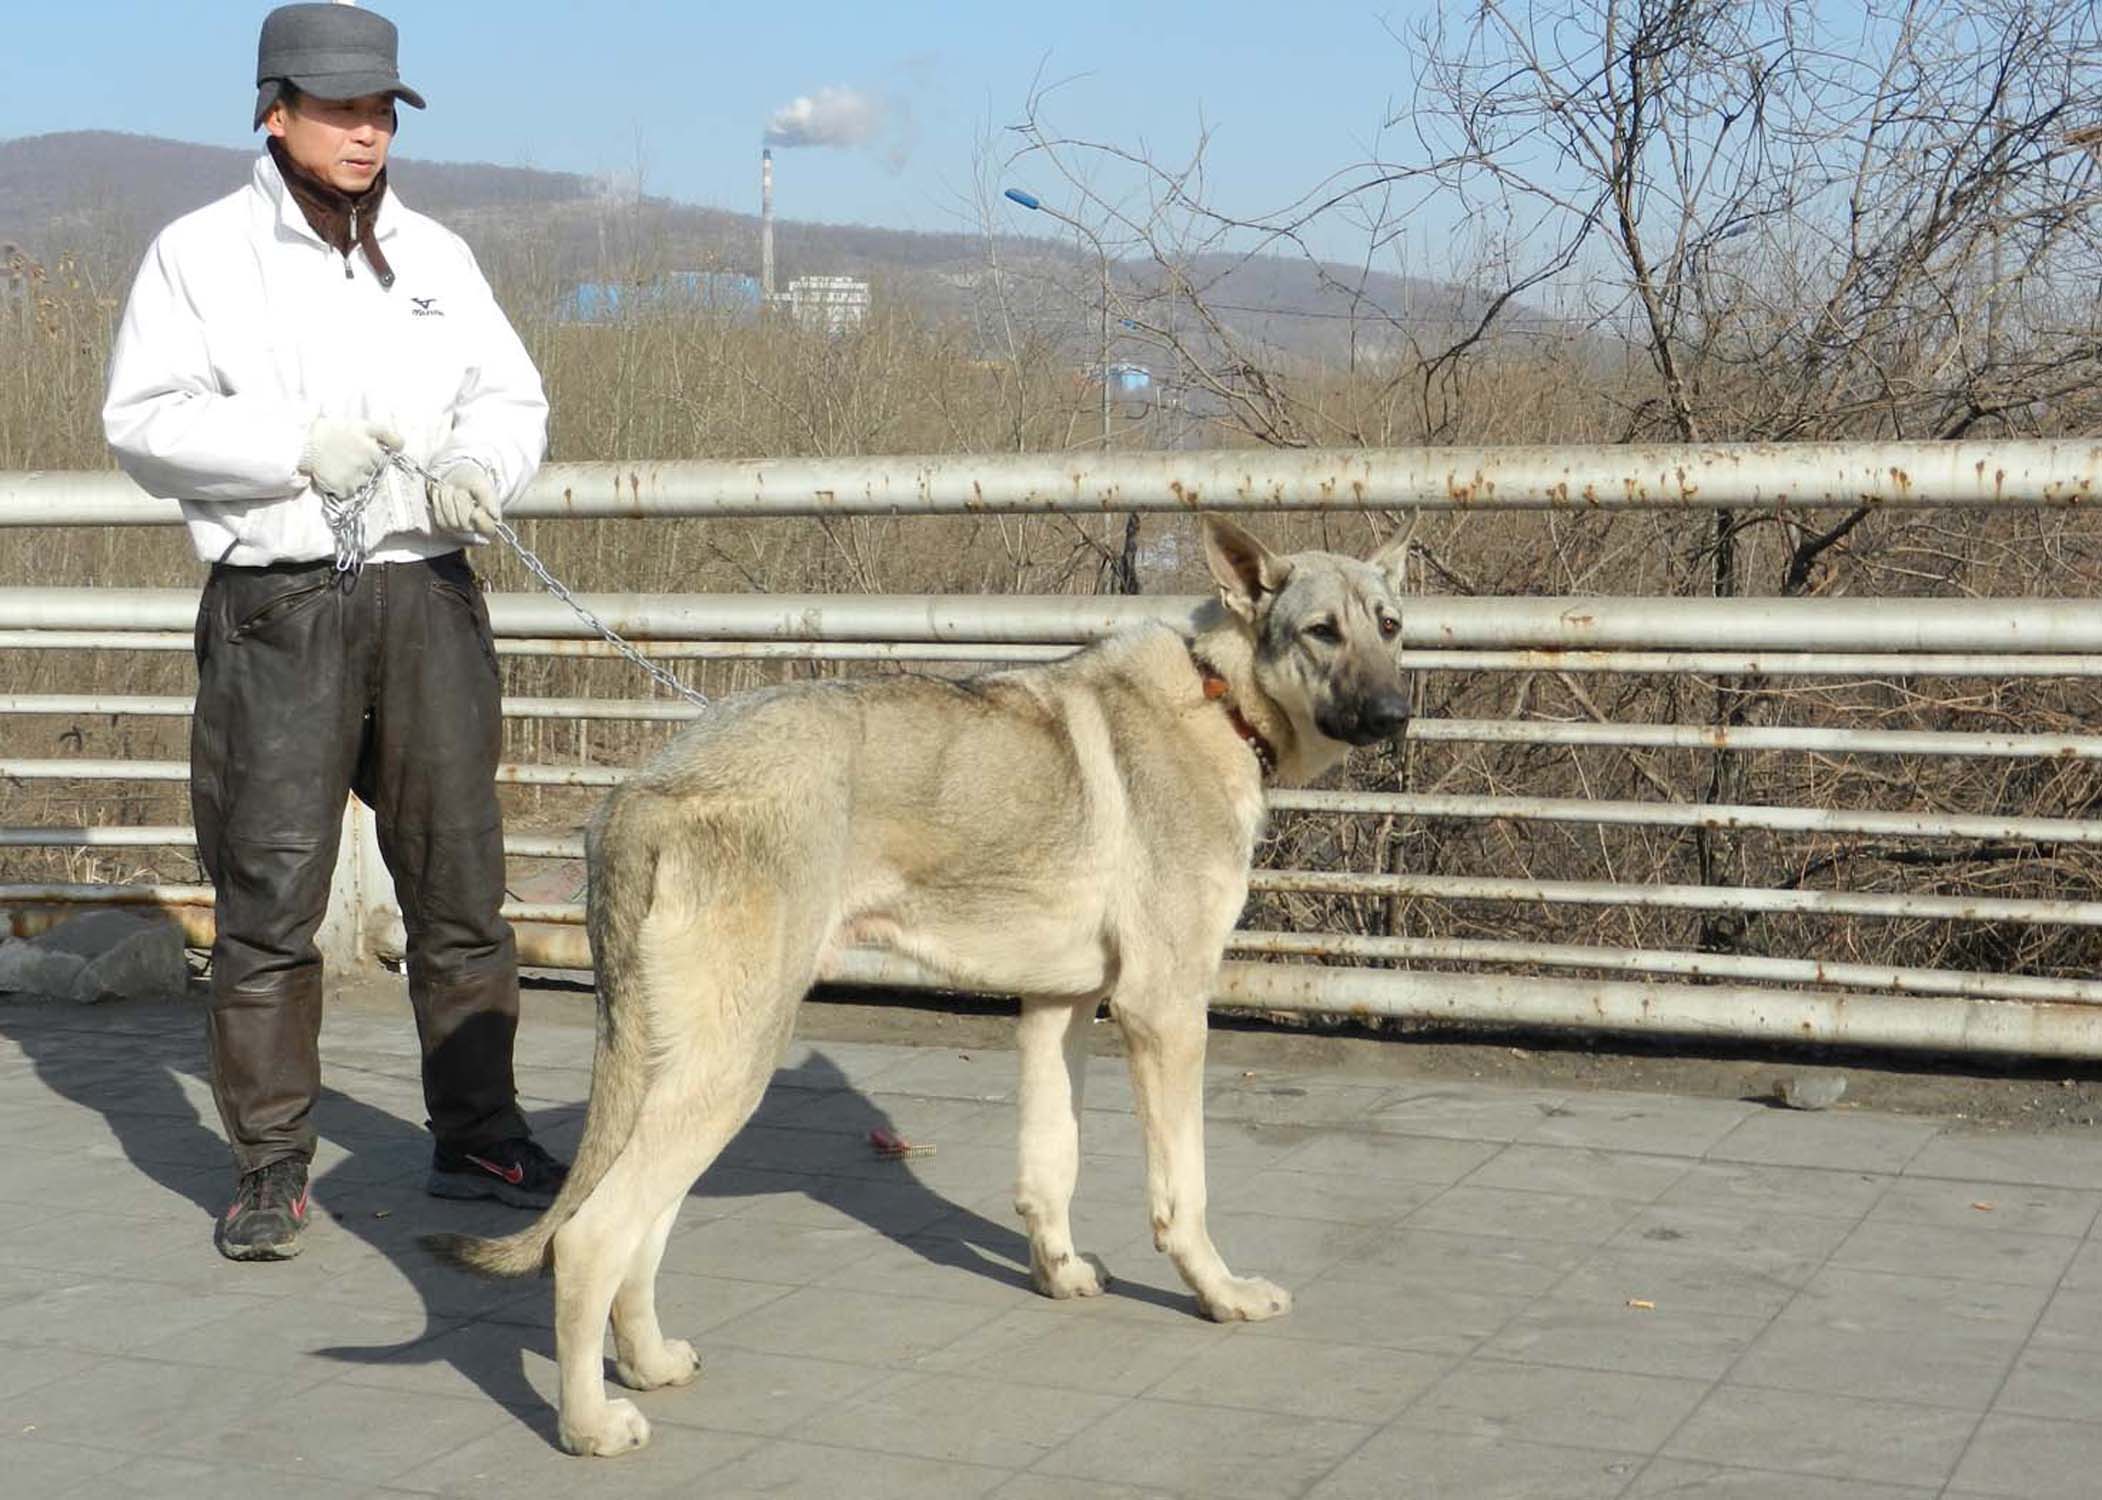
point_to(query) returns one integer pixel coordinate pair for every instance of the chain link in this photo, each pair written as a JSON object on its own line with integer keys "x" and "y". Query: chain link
{"x": 346, "y": 523}
{"x": 612, "y": 637}
{"x": 345, "y": 514}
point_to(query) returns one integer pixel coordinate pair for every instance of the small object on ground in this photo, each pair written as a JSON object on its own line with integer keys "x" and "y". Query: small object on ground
{"x": 98, "y": 956}
{"x": 27, "y": 969}
{"x": 890, "y": 1144}
{"x": 1983, "y": 1208}
{"x": 1642, "y": 1303}
{"x": 1810, "y": 1090}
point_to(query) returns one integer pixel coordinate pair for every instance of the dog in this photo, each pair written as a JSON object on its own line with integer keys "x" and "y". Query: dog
{"x": 1065, "y": 832}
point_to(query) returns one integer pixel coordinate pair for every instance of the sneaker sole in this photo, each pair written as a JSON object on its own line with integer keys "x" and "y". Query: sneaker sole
{"x": 464, "y": 1188}
{"x": 282, "y": 1250}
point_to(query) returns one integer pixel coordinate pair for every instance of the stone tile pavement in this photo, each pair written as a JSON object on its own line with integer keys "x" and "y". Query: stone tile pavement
{"x": 1501, "y": 1293}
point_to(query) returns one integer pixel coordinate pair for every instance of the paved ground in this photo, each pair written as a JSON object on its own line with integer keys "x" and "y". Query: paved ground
{"x": 1501, "y": 1292}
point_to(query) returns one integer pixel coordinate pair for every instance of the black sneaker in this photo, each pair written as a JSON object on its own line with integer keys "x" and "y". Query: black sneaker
{"x": 517, "y": 1172}
{"x": 268, "y": 1214}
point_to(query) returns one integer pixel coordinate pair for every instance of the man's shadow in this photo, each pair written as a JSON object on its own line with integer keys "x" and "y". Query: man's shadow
{"x": 374, "y": 1190}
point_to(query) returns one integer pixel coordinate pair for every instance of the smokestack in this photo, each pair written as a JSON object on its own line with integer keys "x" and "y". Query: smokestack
{"x": 766, "y": 225}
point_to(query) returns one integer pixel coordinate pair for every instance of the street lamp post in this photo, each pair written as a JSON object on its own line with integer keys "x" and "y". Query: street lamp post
{"x": 1124, "y": 567}
{"x": 1035, "y": 205}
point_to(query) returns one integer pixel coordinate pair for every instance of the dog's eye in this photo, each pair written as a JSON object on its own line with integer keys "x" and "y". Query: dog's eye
{"x": 1324, "y": 630}
{"x": 1389, "y": 627}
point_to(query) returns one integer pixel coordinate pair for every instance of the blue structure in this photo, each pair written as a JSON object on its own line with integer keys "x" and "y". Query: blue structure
{"x": 592, "y": 302}
{"x": 676, "y": 292}
{"x": 1131, "y": 382}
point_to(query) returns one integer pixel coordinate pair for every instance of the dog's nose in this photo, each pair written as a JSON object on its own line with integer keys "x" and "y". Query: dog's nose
{"x": 1385, "y": 716}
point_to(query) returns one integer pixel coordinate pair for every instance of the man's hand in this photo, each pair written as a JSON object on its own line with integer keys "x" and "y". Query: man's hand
{"x": 342, "y": 453}
{"x": 463, "y": 501}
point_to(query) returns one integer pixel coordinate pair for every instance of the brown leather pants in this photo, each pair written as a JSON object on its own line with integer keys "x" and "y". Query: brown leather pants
{"x": 311, "y": 687}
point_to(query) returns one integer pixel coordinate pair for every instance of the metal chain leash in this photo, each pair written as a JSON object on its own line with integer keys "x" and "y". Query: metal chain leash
{"x": 345, "y": 514}
{"x": 346, "y": 523}
{"x": 612, "y": 637}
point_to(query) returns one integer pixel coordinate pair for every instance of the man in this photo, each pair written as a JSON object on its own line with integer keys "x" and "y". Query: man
{"x": 287, "y": 353}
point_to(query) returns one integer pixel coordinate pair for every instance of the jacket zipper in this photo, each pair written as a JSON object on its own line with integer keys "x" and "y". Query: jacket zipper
{"x": 347, "y": 274}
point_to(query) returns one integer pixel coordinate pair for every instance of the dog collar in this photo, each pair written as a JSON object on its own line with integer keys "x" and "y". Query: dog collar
{"x": 1218, "y": 689}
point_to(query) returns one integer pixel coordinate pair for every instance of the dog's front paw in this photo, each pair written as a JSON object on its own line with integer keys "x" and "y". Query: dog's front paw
{"x": 1073, "y": 1275}
{"x": 1246, "y": 1299}
{"x": 620, "y": 1428}
{"x": 676, "y": 1364}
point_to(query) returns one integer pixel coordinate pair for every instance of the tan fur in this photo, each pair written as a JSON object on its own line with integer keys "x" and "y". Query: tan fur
{"x": 1063, "y": 832}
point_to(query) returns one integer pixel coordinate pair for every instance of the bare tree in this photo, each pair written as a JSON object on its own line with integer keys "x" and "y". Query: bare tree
{"x": 1805, "y": 223}
{"x": 1721, "y": 220}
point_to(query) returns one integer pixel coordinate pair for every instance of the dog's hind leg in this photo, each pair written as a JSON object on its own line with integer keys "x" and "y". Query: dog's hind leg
{"x": 606, "y": 1256}
{"x": 721, "y": 1027}
{"x": 1165, "y": 1036}
{"x": 1052, "y": 1039}
{"x": 643, "y": 1357}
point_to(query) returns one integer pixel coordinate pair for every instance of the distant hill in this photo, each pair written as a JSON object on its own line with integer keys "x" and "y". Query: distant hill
{"x": 107, "y": 193}
{"x": 52, "y": 184}
{"x": 111, "y": 191}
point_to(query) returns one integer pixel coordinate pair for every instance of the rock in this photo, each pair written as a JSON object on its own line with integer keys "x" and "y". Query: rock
{"x": 26, "y": 969}
{"x": 120, "y": 955}
{"x": 1810, "y": 1090}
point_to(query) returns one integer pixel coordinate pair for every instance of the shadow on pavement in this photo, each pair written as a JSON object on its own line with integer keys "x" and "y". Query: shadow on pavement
{"x": 369, "y": 1182}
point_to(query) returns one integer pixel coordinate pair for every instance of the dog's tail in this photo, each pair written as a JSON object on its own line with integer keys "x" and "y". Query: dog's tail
{"x": 623, "y": 885}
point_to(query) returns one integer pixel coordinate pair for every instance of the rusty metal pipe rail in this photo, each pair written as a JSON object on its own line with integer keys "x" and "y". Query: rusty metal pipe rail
{"x": 1506, "y": 889}
{"x": 2036, "y": 1028}
{"x": 1842, "y": 741}
{"x": 1734, "y": 1012}
{"x": 2032, "y": 474}
{"x": 1880, "y": 666}
{"x": 1731, "y": 628}
{"x": 1715, "y": 1012}
{"x": 1868, "y": 821}
{"x": 1518, "y": 890}
{"x": 1876, "y": 978}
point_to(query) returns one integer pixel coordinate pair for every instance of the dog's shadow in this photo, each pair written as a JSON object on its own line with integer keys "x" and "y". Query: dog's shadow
{"x": 815, "y": 1104}
{"x": 371, "y": 1185}
{"x": 833, "y": 1126}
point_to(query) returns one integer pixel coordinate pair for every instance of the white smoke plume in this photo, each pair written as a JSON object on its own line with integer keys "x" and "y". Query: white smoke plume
{"x": 831, "y": 117}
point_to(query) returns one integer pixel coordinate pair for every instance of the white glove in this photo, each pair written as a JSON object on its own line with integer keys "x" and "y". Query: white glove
{"x": 342, "y": 453}
{"x": 463, "y": 501}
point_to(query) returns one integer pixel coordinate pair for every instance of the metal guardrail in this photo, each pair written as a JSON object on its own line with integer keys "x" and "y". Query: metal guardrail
{"x": 1763, "y": 998}
{"x": 1720, "y": 476}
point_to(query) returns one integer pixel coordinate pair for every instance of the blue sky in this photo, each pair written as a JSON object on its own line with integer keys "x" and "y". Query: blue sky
{"x": 682, "y": 91}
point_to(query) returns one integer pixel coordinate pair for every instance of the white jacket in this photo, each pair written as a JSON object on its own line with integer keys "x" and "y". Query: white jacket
{"x": 244, "y": 325}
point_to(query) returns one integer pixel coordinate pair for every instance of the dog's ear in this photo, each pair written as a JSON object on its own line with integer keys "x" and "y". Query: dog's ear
{"x": 1245, "y": 570}
{"x": 1392, "y": 559}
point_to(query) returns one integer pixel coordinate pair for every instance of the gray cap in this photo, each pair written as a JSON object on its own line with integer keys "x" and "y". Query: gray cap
{"x": 330, "y": 51}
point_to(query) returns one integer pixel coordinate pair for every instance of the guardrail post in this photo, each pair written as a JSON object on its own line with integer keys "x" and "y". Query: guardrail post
{"x": 358, "y": 890}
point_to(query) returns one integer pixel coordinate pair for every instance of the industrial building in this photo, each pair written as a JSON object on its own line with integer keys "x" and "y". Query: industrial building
{"x": 828, "y": 304}
{"x": 676, "y": 292}
{"x": 825, "y": 304}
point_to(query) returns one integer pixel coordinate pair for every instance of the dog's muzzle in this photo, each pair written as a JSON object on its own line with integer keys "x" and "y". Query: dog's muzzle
{"x": 1368, "y": 721}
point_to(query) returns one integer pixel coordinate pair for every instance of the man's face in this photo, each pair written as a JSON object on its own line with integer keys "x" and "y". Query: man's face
{"x": 341, "y": 141}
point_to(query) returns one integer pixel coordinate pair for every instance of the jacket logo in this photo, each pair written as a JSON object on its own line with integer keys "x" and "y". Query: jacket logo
{"x": 425, "y": 307}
